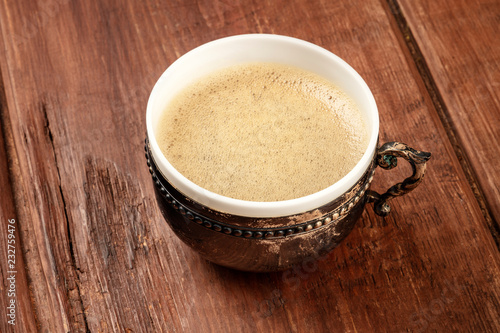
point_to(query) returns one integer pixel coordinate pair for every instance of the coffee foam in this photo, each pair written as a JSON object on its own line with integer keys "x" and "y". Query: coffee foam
{"x": 262, "y": 132}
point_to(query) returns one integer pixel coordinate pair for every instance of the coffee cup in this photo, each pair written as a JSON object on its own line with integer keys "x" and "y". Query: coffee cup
{"x": 265, "y": 236}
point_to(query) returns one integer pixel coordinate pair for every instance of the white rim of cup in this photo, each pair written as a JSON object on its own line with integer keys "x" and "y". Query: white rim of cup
{"x": 244, "y": 45}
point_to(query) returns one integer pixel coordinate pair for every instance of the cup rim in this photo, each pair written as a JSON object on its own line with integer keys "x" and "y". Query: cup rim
{"x": 259, "y": 209}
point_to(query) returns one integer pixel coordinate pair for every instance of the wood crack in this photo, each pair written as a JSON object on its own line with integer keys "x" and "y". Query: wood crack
{"x": 68, "y": 226}
{"x": 444, "y": 116}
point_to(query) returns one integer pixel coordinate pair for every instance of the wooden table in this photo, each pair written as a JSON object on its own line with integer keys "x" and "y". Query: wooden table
{"x": 92, "y": 252}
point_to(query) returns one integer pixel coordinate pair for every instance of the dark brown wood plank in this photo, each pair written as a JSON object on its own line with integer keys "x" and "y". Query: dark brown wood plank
{"x": 100, "y": 258}
{"x": 459, "y": 42}
{"x": 16, "y": 307}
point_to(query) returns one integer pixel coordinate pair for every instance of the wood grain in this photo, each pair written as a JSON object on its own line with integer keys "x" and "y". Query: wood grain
{"x": 98, "y": 255}
{"x": 458, "y": 42}
{"x": 16, "y": 306}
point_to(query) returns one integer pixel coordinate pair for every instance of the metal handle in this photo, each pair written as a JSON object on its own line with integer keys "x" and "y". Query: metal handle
{"x": 387, "y": 159}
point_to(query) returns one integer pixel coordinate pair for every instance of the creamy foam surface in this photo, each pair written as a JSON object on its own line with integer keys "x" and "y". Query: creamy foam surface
{"x": 262, "y": 132}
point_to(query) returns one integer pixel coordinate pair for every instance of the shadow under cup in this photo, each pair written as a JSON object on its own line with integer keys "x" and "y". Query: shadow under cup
{"x": 270, "y": 236}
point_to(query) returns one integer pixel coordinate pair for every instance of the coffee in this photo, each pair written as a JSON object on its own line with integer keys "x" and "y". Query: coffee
{"x": 262, "y": 132}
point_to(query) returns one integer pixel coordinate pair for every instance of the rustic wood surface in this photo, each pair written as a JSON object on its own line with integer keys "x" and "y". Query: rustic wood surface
{"x": 92, "y": 251}
{"x": 463, "y": 76}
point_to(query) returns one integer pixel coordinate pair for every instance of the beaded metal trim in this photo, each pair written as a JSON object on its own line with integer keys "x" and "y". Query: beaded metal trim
{"x": 256, "y": 233}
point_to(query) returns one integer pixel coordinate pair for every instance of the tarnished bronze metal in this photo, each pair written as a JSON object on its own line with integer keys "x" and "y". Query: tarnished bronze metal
{"x": 277, "y": 243}
{"x": 386, "y": 158}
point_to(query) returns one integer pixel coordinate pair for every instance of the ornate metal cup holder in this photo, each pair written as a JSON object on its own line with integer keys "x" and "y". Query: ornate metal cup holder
{"x": 270, "y": 244}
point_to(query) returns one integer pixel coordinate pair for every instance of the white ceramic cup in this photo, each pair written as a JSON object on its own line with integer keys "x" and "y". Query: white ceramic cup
{"x": 260, "y": 48}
